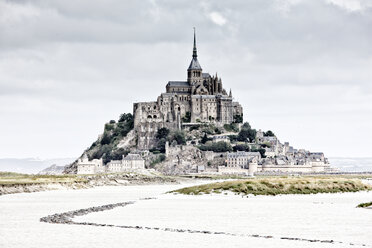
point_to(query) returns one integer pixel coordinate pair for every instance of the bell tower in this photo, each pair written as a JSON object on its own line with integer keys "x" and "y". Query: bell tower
{"x": 194, "y": 72}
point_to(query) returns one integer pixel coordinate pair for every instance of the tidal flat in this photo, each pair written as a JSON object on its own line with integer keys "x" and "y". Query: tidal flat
{"x": 159, "y": 219}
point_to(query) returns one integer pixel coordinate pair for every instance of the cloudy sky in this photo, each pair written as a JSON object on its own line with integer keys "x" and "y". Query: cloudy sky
{"x": 302, "y": 68}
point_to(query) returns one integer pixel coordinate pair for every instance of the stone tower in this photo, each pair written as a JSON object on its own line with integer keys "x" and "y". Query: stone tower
{"x": 194, "y": 72}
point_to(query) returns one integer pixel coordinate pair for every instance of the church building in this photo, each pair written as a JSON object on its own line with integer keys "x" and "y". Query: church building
{"x": 199, "y": 99}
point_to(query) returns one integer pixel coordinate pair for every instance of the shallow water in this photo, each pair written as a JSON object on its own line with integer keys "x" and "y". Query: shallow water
{"x": 321, "y": 216}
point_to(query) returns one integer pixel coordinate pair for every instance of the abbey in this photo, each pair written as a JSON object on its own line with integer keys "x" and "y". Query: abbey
{"x": 199, "y": 99}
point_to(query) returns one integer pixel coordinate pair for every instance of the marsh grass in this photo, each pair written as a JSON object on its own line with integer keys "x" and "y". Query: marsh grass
{"x": 365, "y": 205}
{"x": 11, "y": 178}
{"x": 282, "y": 185}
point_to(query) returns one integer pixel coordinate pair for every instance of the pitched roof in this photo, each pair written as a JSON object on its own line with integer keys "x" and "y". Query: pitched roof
{"x": 178, "y": 83}
{"x": 132, "y": 156}
{"x": 194, "y": 65}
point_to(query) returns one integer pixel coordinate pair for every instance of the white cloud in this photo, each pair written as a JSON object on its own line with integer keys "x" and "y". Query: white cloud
{"x": 217, "y": 18}
{"x": 351, "y": 5}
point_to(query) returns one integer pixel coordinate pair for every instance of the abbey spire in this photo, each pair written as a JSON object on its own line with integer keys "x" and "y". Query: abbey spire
{"x": 194, "y": 72}
{"x": 194, "y": 51}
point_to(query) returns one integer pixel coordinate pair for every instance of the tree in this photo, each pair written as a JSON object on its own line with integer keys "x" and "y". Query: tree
{"x": 204, "y": 139}
{"x": 187, "y": 117}
{"x": 233, "y": 127}
{"x": 118, "y": 154}
{"x": 126, "y": 117}
{"x": 238, "y": 118}
{"x": 178, "y": 136}
{"x": 269, "y": 133}
{"x": 161, "y": 145}
{"x": 242, "y": 147}
{"x": 162, "y": 133}
{"x": 233, "y": 138}
{"x": 246, "y": 133}
{"x": 106, "y": 138}
{"x": 261, "y": 151}
{"x": 216, "y": 147}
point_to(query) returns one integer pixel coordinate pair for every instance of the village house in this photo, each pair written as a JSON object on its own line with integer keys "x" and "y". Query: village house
{"x": 131, "y": 162}
{"x": 90, "y": 167}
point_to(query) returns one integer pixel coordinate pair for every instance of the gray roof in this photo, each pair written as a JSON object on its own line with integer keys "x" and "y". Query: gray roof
{"x": 178, "y": 83}
{"x": 243, "y": 154}
{"x": 132, "y": 156}
{"x": 206, "y": 75}
{"x": 203, "y": 96}
{"x": 194, "y": 65}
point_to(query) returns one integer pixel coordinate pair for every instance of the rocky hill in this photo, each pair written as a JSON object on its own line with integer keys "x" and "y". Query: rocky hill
{"x": 52, "y": 170}
{"x": 116, "y": 140}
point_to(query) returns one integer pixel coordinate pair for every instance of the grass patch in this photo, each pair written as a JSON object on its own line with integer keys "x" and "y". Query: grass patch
{"x": 11, "y": 178}
{"x": 282, "y": 185}
{"x": 365, "y": 205}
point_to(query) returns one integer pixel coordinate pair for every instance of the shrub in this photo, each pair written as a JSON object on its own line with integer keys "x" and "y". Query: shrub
{"x": 238, "y": 118}
{"x": 195, "y": 127}
{"x": 233, "y": 127}
{"x": 160, "y": 158}
{"x": 205, "y": 139}
{"x": 269, "y": 133}
{"x": 216, "y": 147}
{"x": 242, "y": 147}
{"x": 261, "y": 151}
{"x": 233, "y": 138}
{"x": 118, "y": 154}
{"x": 246, "y": 133}
{"x": 162, "y": 133}
{"x": 106, "y": 138}
{"x": 187, "y": 117}
{"x": 178, "y": 136}
{"x": 109, "y": 127}
{"x": 126, "y": 117}
{"x": 160, "y": 146}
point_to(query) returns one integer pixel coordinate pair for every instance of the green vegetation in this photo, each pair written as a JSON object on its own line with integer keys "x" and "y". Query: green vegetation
{"x": 238, "y": 118}
{"x": 216, "y": 147}
{"x": 233, "y": 127}
{"x": 160, "y": 158}
{"x": 10, "y": 178}
{"x": 241, "y": 147}
{"x": 173, "y": 137}
{"x": 269, "y": 133}
{"x": 211, "y": 129}
{"x": 106, "y": 146}
{"x": 365, "y": 205}
{"x": 187, "y": 117}
{"x": 205, "y": 139}
{"x": 247, "y": 133}
{"x": 283, "y": 185}
{"x": 261, "y": 151}
{"x": 179, "y": 136}
{"x": 162, "y": 133}
{"x": 194, "y": 127}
